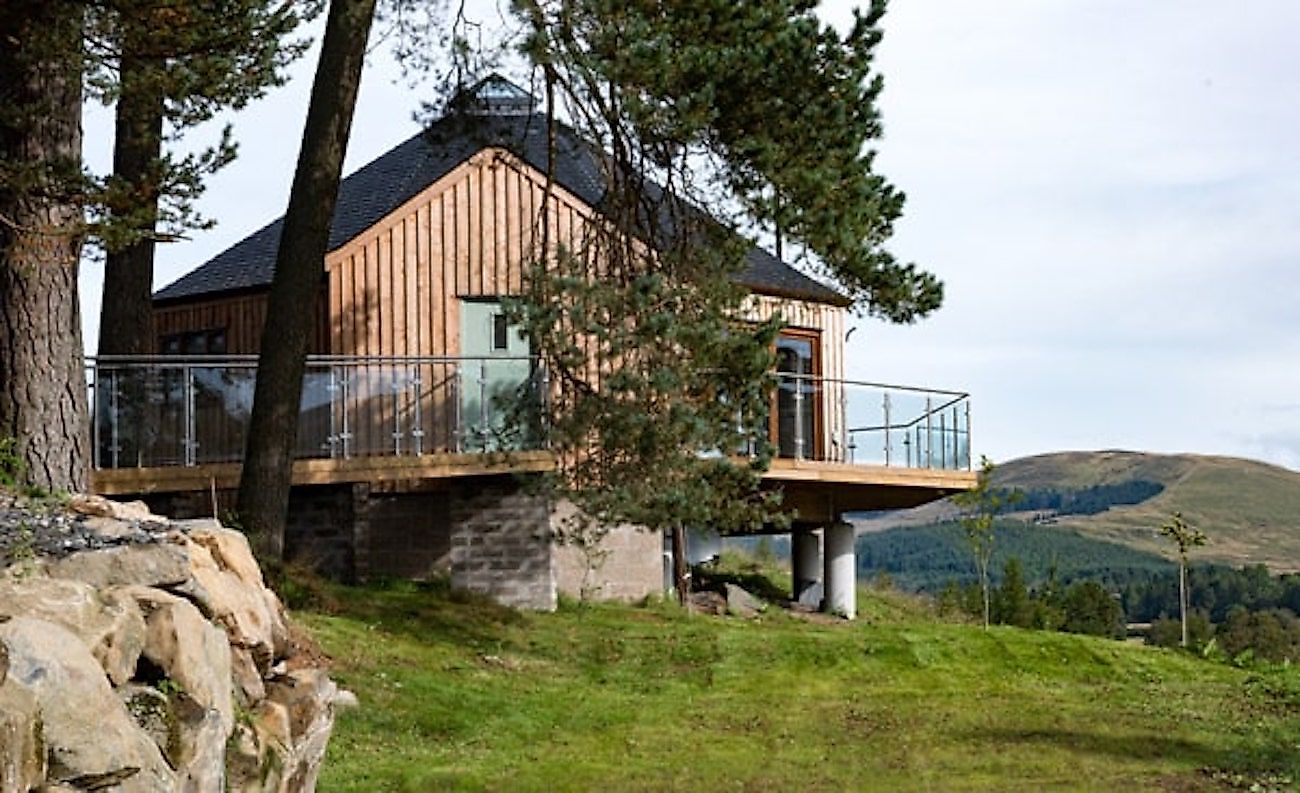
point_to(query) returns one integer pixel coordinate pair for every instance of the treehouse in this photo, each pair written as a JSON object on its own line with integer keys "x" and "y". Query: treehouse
{"x": 401, "y": 468}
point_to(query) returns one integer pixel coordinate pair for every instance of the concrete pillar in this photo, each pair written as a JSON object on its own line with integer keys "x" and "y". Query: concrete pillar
{"x": 806, "y": 567}
{"x": 841, "y": 571}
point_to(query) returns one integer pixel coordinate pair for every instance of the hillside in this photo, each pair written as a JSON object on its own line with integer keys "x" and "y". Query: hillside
{"x": 460, "y": 694}
{"x": 1249, "y": 510}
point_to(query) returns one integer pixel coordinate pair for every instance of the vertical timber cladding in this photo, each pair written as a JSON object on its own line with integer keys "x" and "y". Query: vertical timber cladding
{"x": 828, "y": 320}
{"x": 396, "y": 289}
{"x": 240, "y": 316}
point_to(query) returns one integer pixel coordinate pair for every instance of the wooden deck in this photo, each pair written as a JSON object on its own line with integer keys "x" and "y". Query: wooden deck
{"x": 819, "y": 491}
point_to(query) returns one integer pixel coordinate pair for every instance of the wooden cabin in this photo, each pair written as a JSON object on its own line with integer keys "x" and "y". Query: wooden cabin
{"x": 425, "y": 242}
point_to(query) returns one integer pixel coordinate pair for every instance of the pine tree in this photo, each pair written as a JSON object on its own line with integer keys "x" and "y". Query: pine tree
{"x": 783, "y": 107}
{"x": 42, "y": 386}
{"x": 263, "y": 501}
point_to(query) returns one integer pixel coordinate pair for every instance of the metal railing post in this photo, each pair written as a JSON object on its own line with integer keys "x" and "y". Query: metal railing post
{"x": 886, "y": 423}
{"x": 457, "y": 430}
{"x": 968, "y": 435}
{"x": 929, "y": 433}
{"x": 345, "y": 398}
{"x": 482, "y": 404}
{"x": 187, "y": 396}
{"x": 397, "y": 414}
{"x": 417, "y": 431}
{"x": 943, "y": 443}
{"x": 798, "y": 418}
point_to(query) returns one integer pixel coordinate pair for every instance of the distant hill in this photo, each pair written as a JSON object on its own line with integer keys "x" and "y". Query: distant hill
{"x": 1249, "y": 510}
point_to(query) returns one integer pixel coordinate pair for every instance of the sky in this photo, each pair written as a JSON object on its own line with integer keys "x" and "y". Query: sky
{"x": 1109, "y": 190}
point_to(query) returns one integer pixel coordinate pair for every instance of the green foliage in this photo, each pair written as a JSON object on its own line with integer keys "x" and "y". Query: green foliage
{"x": 1271, "y": 635}
{"x": 927, "y": 557}
{"x": 1090, "y": 500}
{"x": 782, "y": 105}
{"x": 12, "y": 465}
{"x": 981, "y": 505}
{"x": 1166, "y": 632}
{"x": 1088, "y": 608}
{"x": 1182, "y": 535}
{"x": 1011, "y": 601}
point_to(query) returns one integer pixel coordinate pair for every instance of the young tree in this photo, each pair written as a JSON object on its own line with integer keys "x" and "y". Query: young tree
{"x": 657, "y": 379}
{"x": 42, "y": 386}
{"x": 980, "y": 506}
{"x": 263, "y": 500}
{"x": 1013, "y": 606}
{"x": 1186, "y": 538}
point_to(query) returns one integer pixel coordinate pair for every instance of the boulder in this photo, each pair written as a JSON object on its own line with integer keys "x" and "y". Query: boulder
{"x": 22, "y": 753}
{"x": 742, "y": 604}
{"x": 199, "y": 751}
{"x": 90, "y": 739}
{"x": 153, "y": 564}
{"x": 308, "y": 696}
{"x": 191, "y": 651}
{"x": 100, "y": 507}
{"x": 110, "y": 626}
{"x": 229, "y": 548}
{"x": 151, "y": 711}
{"x": 249, "y": 687}
{"x": 252, "y": 616}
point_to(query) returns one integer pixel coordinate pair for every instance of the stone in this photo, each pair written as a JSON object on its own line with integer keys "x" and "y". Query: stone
{"x": 249, "y": 687}
{"x": 742, "y": 604}
{"x": 308, "y": 696}
{"x": 98, "y": 506}
{"x": 111, "y": 627}
{"x": 88, "y": 733}
{"x": 229, "y": 549}
{"x": 200, "y": 746}
{"x": 707, "y": 602}
{"x": 155, "y": 565}
{"x": 109, "y": 528}
{"x": 22, "y": 752}
{"x": 150, "y": 709}
{"x": 252, "y": 617}
{"x": 191, "y": 651}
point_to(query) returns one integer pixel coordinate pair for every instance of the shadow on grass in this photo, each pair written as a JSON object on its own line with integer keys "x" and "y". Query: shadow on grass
{"x": 423, "y": 610}
{"x": 755, "y": 582}
{"x": 1260, "y": 757}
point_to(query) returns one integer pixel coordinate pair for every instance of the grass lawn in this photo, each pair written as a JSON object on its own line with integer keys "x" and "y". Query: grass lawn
{"x": 460, "y": 694}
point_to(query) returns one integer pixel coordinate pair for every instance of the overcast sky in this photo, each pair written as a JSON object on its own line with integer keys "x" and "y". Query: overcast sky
{"x": 1110, "y": 191}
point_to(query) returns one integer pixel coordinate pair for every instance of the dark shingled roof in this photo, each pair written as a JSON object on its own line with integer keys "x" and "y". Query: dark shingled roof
{"x": 380, "y": 187}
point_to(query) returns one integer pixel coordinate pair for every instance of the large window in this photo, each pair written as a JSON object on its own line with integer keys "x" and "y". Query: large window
{"x": 797, "y": 420}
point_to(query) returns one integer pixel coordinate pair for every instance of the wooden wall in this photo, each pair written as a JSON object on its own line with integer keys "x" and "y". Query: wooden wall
{"x": 396, "y": 289}
{"x": 242, "y": 317}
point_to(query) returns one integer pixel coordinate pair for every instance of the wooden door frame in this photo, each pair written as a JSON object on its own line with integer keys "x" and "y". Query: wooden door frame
{"x": 813, "y": 335}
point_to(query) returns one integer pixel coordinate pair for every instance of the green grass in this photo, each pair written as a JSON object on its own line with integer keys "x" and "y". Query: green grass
{"x": 460, "y": 694}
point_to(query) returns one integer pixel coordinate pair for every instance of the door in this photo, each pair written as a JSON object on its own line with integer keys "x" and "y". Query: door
{"x": 495, "y": 371}
{"x": 797, "y": 415}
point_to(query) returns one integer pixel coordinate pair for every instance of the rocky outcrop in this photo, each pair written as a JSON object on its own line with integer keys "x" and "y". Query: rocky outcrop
{"x": 138, "y": 654}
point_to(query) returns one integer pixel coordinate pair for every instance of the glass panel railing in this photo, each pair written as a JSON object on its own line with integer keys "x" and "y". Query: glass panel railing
{"x": 862, "y": 423}
{"x": 165, "y": 412}
{"x": 191, "y": 411}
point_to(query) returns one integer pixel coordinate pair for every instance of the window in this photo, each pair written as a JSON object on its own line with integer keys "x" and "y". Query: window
{"x": 500, "y": 332}
{"x": 194, "y": 342}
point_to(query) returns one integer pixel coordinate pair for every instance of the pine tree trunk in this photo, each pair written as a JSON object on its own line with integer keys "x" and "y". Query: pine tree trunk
{"x": 681, "y": 571}
{"x": 126, "y": 316}
{"x": 268, "y": 463}
{"x": 42, "y": 382}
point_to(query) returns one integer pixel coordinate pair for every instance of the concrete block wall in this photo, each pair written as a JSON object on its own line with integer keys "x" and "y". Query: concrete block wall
{"x": 501, "y": 545}
{"x": 489, "y": 534}
{"x": 627, "y": 565}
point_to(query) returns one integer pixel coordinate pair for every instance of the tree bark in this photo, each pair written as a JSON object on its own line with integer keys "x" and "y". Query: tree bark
{"x": 681, "y": 570}
{"x": 1182, "y": 598}
{"x": 268, "y": 462}
{"x": 126, "y": 315}
{"x": 42, "y": 382}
